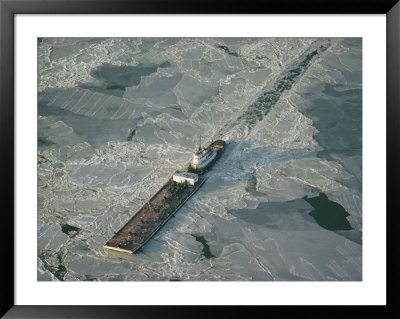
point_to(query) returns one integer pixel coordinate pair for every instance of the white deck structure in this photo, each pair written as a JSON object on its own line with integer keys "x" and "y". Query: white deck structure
{"x": 181, "y": 177}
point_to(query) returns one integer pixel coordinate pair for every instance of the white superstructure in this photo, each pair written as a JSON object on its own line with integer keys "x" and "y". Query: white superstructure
{"x": 202, "y": 157}
{"x": 181, "y": 177}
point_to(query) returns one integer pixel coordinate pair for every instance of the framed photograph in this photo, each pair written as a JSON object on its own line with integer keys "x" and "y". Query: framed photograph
{"x": 157, "y": 156}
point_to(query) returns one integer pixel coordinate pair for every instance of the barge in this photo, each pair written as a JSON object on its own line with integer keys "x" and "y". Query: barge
{"x": 166, "y": 202}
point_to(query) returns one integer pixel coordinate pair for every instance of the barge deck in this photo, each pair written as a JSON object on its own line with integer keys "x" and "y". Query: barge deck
{"x": 152, "y": 216}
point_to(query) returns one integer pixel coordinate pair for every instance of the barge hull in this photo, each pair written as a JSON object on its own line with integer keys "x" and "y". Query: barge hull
{"x": 150, "y": 218}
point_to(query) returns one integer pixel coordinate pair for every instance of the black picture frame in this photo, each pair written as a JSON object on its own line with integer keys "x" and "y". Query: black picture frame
{"x": 8, "y": 10}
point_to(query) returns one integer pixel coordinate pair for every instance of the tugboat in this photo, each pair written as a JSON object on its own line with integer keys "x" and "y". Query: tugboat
{"x": 205, "y": 157}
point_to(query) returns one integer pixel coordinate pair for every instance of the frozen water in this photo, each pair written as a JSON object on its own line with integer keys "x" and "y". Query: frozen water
{"x": 116, "y": 118}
